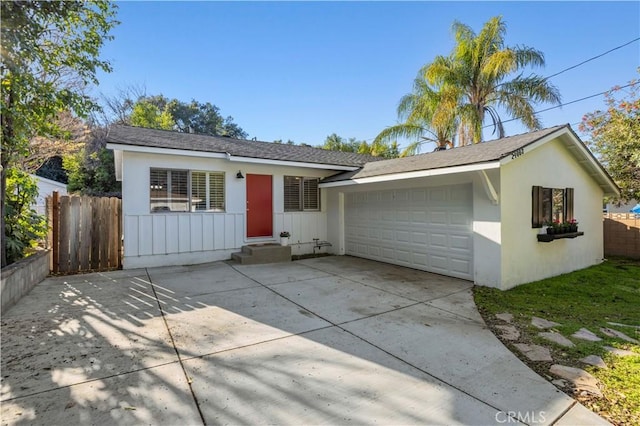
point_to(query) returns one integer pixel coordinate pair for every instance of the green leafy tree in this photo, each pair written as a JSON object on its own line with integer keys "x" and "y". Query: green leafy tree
{"x": 335, "y": 142}
{"x": 50, "y": 53}
{"x": 425, "y": 117}
{"x": 91, "y": 171}
{"x": 615, "y": 138}
{"x": 478, "y": 77}
{"x": 146, "y": 114}
{"x": 203, "y": 118}
{"x": 23, "y": 226}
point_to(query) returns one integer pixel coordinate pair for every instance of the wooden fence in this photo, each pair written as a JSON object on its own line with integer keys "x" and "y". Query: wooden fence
{"x": 85, "y": 233}
{"x": 622, "y": 235}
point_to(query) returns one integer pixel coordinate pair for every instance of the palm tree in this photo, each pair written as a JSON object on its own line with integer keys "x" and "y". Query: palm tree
{"x": 427, "y": 118}
{"x": 476, "y": 75}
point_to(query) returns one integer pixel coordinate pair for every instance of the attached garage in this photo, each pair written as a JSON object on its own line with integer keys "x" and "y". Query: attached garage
{"x": 424, "y": 228}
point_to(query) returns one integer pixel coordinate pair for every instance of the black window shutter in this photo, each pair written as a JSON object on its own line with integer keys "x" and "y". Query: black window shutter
{"x": 568, "y": 204}
{"x": 536, "y": 207}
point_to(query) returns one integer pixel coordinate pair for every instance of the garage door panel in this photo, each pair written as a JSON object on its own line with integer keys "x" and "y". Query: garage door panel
{"x": 459, "y": 218}
{"x": 461, "y": 266}
{"x": 438, "y": 241}
{"x": 419, "y": 238}
{"x": 460, "y": 242}
{"x": 437, "y": 195}
{"x": 423, "y": 228}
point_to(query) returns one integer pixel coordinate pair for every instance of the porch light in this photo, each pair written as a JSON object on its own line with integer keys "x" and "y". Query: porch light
{"x": 239, "y": 175}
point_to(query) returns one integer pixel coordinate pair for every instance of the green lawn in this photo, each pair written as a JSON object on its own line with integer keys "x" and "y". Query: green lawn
{"x": 590, "y": 298}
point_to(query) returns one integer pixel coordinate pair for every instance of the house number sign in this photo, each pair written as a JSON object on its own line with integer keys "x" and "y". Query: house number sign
{"x": 517, "y": 153}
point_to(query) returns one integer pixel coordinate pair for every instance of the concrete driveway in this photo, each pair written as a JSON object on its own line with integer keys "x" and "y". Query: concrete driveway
{"x": 330, "y": 340}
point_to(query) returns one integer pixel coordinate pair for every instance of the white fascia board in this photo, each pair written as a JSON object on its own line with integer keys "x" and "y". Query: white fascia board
{"x": 586, "y": 159}
{"x": 291, "y": 163}
{"x": 229, "y": 157}
{"x": 521, "y": 151}
{"x": 414, "y": 175}
{"x": 117, "y": 158}
{"x": 165, "y": 151}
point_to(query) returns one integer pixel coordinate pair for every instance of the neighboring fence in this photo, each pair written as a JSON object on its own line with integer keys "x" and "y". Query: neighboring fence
{"x": 85, "y": 233}
{"x": 622, "y": 235}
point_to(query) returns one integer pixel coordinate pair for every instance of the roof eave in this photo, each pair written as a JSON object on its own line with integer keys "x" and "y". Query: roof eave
{"x": 580, "y": 152}
{"x": 413, "y": 174}
{"x": 227, "y": 156}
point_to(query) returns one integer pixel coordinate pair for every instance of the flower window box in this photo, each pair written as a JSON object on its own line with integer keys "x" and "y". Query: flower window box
{"x": 547, "y": 238}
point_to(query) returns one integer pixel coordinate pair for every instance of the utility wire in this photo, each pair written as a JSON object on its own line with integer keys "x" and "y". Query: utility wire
{"x": 592, "y": 58}
{"x": 569, "y": 103}
{"x": 563, "y": 71}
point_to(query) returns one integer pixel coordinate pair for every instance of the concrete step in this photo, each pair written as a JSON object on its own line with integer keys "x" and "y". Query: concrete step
{"x": 262, "y": 253}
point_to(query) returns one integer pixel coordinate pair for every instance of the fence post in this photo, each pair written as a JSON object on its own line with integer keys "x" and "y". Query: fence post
{"x": 55, "y": 230}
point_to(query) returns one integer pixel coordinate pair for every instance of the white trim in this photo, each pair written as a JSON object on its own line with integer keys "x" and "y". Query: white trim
{"x": 228, "y": 157}
{"x": 154, "y": 150}
{"x": 413, "y": 175}
{"x": 586, "y": 160}
{"x": 492, "y": 194}
{"x": 117, "y": 158}
{"x": 534, "y": 145}
{"x": 291, "y": 163}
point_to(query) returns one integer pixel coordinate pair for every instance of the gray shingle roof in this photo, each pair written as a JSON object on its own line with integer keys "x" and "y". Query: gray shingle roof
{"x": 138, "y": 136}
{"x": 461, "y": 156}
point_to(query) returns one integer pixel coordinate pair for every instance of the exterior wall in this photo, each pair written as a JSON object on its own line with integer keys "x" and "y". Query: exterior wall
{"x": 19, "y": 278}
{"x": 45, "y": 189}
{"x": 486, "y": 218}
{"x": 524, "y": 259}
{"x": 159, "y": 239}
{"x": 487, "y": 232}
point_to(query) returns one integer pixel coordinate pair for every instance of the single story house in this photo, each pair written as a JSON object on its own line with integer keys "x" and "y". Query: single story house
{"x": 473, "y": 212}
{"x": 46, "y": 187}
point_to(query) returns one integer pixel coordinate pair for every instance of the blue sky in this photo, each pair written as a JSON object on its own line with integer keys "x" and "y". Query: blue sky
{"x": 301, "y": 71}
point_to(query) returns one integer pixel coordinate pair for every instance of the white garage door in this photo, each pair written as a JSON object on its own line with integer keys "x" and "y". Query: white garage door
{"x": 423, "y": 228}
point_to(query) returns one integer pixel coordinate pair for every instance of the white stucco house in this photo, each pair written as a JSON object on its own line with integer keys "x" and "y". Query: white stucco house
{"x": 472, "y": 212}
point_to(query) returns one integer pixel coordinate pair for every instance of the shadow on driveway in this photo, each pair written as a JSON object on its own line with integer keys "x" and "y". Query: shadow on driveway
{"x": 327, "y": 340}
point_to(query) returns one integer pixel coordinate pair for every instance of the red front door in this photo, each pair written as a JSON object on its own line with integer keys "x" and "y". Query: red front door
{"x": 259, "y": 206}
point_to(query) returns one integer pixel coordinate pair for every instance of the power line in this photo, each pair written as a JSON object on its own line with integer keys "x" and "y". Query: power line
{"x": 568, "y": 103}
{"x": 563, "y": 71}
{"x": 592, "y": 58}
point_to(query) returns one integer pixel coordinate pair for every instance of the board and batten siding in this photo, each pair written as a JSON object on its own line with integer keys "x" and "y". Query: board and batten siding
{"x": 162, "y": 239}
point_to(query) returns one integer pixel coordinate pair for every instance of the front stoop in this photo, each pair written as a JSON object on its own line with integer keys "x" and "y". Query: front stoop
{"x": 263, "y": 253}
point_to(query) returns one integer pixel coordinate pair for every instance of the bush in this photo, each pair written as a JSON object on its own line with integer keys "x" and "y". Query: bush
{"x": 24, "y": 228}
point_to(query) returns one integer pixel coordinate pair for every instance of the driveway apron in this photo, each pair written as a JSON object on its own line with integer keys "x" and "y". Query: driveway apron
{"x": 329, "y": 340}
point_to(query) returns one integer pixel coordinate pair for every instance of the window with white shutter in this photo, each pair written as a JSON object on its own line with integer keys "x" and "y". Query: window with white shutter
{"x": 301, "y": 194}
{"x": 183, "y": 191}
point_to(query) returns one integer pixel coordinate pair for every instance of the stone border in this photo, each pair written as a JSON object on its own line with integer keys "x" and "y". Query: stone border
{"x": 19, "y": 278}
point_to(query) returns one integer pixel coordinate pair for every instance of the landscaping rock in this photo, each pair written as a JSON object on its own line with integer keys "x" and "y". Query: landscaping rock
{"x": 542, "y": 323}
{"x": 637, "y": 327}
{"x": 534, "y": 352}
{"x": 557, "y": 338}
{"x": 585, "y": 334}
{"x": 579, "y": 378}
{"x": 620, "y": 352}
{"x": 505, "y": 316}
{"x": 559, "y": 382}
{"x": 615, "y": 333}
{"x": 508, "y": 332}
{"x": 594, "y": 360}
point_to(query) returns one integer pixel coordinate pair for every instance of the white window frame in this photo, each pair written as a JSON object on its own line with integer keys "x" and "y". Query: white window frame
{"x": 301, "y": 194}
{"x": 189, "y": 196}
